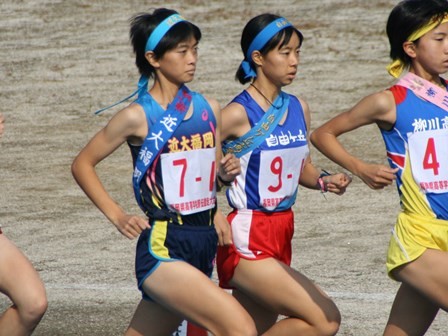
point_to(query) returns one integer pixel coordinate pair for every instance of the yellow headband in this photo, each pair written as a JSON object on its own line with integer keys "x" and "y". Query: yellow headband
{"x": 397, "y": 66}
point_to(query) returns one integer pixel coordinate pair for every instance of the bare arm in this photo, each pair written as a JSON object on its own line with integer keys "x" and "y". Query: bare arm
{"x": 228, "y": 166}
{"x": 126, "y": 124}
{"x": 378, "y": 108}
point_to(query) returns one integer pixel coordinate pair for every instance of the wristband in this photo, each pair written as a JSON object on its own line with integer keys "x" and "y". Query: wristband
{"x": 320, "y": 181}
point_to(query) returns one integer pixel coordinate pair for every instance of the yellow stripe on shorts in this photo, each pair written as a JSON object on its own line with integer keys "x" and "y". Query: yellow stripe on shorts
{"x": 158, "y": 237}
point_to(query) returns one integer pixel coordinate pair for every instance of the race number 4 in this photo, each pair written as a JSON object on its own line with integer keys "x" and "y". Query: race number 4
{"x": 428, "y": 152}
{"x": 430, "y": 159}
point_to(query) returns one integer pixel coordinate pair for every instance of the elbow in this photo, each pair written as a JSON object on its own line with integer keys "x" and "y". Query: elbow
{"x": 76, "y": 167}
{"x": 314, "y": 137}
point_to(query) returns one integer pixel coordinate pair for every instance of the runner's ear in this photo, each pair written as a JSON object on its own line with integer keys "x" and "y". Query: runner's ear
{"x": 257, "y": 57}
{"x": 152, "y": 59}
{"x": 410, "y": 49}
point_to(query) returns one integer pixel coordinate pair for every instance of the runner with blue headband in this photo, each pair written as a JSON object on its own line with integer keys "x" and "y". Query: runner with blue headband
{"x": 260, "y": 41}
{"x": 268, "y": 130}
{"x": 173, "y": 135}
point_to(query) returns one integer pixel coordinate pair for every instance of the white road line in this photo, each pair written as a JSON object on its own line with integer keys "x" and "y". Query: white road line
{"x": 363, "y": 296}
{"x": 98, "y": 287}
{"x": 105, "y": 287}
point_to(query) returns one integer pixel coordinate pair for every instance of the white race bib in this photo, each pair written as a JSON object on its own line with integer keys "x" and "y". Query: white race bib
{"x": 279, "y": 174}
{"x": 428, "y": 152}
{"x": 189, "y": 180}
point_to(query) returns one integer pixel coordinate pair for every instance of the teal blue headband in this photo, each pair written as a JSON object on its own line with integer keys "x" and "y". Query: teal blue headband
{"x": 160, "y": 31}
{"x": 260, "y": 41}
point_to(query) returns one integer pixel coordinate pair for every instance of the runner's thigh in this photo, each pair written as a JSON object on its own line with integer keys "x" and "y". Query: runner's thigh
{"x": 284, "y": 290}
{"x": 18, "y": 278}
{"x": 188, "y": 292}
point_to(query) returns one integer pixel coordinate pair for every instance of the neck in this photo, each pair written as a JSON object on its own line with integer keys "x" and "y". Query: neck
{"x": 268, "y": 89}
{"x": 164, "y": 92}
{"x": 269, "y": 96}
{"x": 433, "y": 78}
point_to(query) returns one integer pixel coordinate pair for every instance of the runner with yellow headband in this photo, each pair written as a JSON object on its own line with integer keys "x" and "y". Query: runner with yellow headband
{"x": 413, "y": 119}
{"x": 396, "y": 68}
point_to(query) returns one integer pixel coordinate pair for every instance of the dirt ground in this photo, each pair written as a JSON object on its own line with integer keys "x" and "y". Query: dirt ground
{"x": 62, "y": 60}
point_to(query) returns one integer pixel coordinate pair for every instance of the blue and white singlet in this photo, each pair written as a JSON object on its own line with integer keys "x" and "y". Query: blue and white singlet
{"x": 270, "y": 173}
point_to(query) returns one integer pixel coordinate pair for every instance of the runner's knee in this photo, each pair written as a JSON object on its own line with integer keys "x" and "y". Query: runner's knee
{"x": 240, "y": 327}
{"x": 33, "y": 311}
{"x": 330, "y": 325}
{"x": 247, "y": 329}
{"x": 328, "y": 329}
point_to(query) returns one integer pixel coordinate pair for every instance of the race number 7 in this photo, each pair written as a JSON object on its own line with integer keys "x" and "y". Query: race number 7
{"x": 184, "y": 165}
{"x": 430, "y": 159}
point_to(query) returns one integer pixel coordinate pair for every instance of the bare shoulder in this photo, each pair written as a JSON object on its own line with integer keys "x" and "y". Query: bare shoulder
{"x": 306, "y": 110}
{"x": 214, "y": 104}
{"x": 129, "y": 122}
{"x": 234, "y": 111}
{"x": 379, "y": 107}
{"x": 132, "y": 115}
{"x": 235, "y": 122}
{"x": 384, "y": 100}
{"x": 302, "y": 102}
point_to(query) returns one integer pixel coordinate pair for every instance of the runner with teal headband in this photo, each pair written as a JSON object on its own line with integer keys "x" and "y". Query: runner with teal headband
{"x": 161, "y": 30}
{"x": 267, "y": 129}
{"x": 173, "y": 135}
{"x": 260, "y": 41}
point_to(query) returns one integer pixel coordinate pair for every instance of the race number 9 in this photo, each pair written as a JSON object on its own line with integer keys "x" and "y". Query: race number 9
{"x": 280, "y": 171}
{"x": 276, "y": 169}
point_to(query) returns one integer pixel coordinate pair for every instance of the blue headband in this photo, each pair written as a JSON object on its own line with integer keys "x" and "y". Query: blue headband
{"x": 260, "y": 41}
{"x": 153, "y": 40}
{"x": 160, "y": 31}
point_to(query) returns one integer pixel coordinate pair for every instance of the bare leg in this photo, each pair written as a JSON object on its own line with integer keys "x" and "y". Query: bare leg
{"x": 148, "y": 317}
{"x": 279, "y": 289}
{"x": 22, "y": 284}
{"x": 411, "y": 313}
{"x": 264, "y": 318}
{"x": 181, "y": 291}
{"x": 423, "y": 292}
